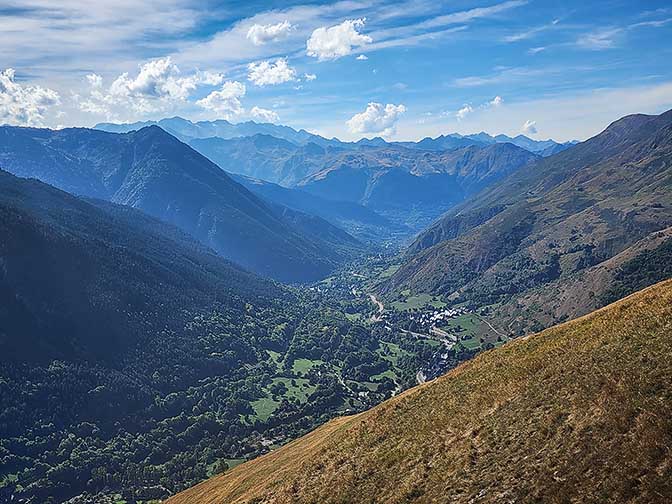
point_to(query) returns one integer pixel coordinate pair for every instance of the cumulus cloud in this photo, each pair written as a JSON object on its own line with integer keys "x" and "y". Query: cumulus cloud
{"x": 496, "y": 101}
{"x": 309, "y": 77}
{"x": 362, "y": 57}
{"x": 377, "y": 118}
{"x": 265, "y": 73}
{"x": 23, "y": 105}
{"x": 464, "y": 112}
{"x": 265, "y": 115}
{"x": 529, "y": 128}
{"x": 263, "y": 34}
{"x": 226, "y": 100}
{"x": 336, "y": 41}
{"x": 158, "y": 84}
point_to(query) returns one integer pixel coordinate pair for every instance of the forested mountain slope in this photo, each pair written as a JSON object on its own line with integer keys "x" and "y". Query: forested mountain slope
{"x": 578, "y": 413}
{"x": 532, "y": 234}
{"x": 152, "y": 171}
{"x": 127, "y": 349}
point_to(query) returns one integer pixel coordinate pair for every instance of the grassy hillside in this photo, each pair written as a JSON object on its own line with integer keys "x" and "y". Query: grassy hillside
{"x": 581, "y": 412}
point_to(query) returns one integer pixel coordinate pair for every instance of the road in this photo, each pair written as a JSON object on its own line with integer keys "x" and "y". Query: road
{"x": 491, "y": 327}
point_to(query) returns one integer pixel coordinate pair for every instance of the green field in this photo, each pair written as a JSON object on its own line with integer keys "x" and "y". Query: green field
{"x": 386, "y": 374}
{"x": 392, "y": 354}
{"x": 7, "y": 479}
{"x": 300, "y": 391}
{"x": 471, "y": 343}
{"x": 469, "y": 322}
{"x": 418, "y": 301}
{"x": 389, "y": 271}
{"x": 264, "y": 407}
{"x": 302, "y": 366}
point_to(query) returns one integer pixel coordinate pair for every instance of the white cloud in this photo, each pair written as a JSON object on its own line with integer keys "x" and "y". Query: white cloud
{"x": 362, "y": 57}
{"x": 599, "y": 40}
{"x": 516, "y": 37}
{"x": 158, "y": 85}
{"x": 263, "y": 34}
{"x": 529, "y": 128}
{"x": 225, "y": 101}
{"x": 496, "y": 101}
{"x": 377, "y": 118}
{"x": 265, "y": 115}
{"x": 336, "y": 41}
{"x": 464, "y": 112}
{"x": 309, "y": 77}
{"x": 23, "y": 105}
{"x": 265, "y": 73}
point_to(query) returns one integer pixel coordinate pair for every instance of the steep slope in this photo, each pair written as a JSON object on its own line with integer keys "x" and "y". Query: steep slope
{"x": 68, "y": 265}
{"x": 549, "y": 221}
{"x": 413, "y": 187}
{"x": 579, "y": 413}
{"x": 408, "y": 186}
{"x": 151, "y": 170}
{"x": 266, "y": 157}
{"x": 356, "y": 219}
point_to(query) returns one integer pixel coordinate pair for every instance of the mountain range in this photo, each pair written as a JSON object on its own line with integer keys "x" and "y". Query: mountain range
{"x": 187, "y": 131}
{"x": 151, "y": 170}
{"x": 548, "y": 230}
{"x": 578, "y": 413}
{"x": 410, "y": 187}
{"x": 408, "y": 183}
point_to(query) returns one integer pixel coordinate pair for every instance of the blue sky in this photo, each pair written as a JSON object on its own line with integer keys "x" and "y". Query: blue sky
{"x": 403, "y": 70}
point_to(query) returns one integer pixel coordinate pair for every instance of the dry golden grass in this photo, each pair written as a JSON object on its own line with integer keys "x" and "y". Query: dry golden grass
{"x": 581, "y": 412}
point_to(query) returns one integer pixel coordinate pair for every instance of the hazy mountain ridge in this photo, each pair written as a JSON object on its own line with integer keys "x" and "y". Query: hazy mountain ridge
{"x": 580, "y": 412}
{"x": 394, "y": 181}
{"x": 187, "y": 130}
{"x": 405, "y": 182}
{"x": 410, "y": 187}
{"x": 547, "y": 222}
{"x": 151, "y": 170}
{"x": 356, "y": 219}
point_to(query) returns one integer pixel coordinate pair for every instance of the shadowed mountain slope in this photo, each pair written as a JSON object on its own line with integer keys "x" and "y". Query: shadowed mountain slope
{"x": 153, "y": 171}
{"x": 578, "y": 413}
{"x": 68, "y": 265}
{"x": 356, "y": 219}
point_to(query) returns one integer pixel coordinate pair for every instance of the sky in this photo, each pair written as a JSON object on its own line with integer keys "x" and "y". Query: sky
{"x": 350, "y": 69}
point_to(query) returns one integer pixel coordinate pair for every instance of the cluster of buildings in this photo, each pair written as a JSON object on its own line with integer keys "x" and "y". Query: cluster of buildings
{"x": 429, "y": 319}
